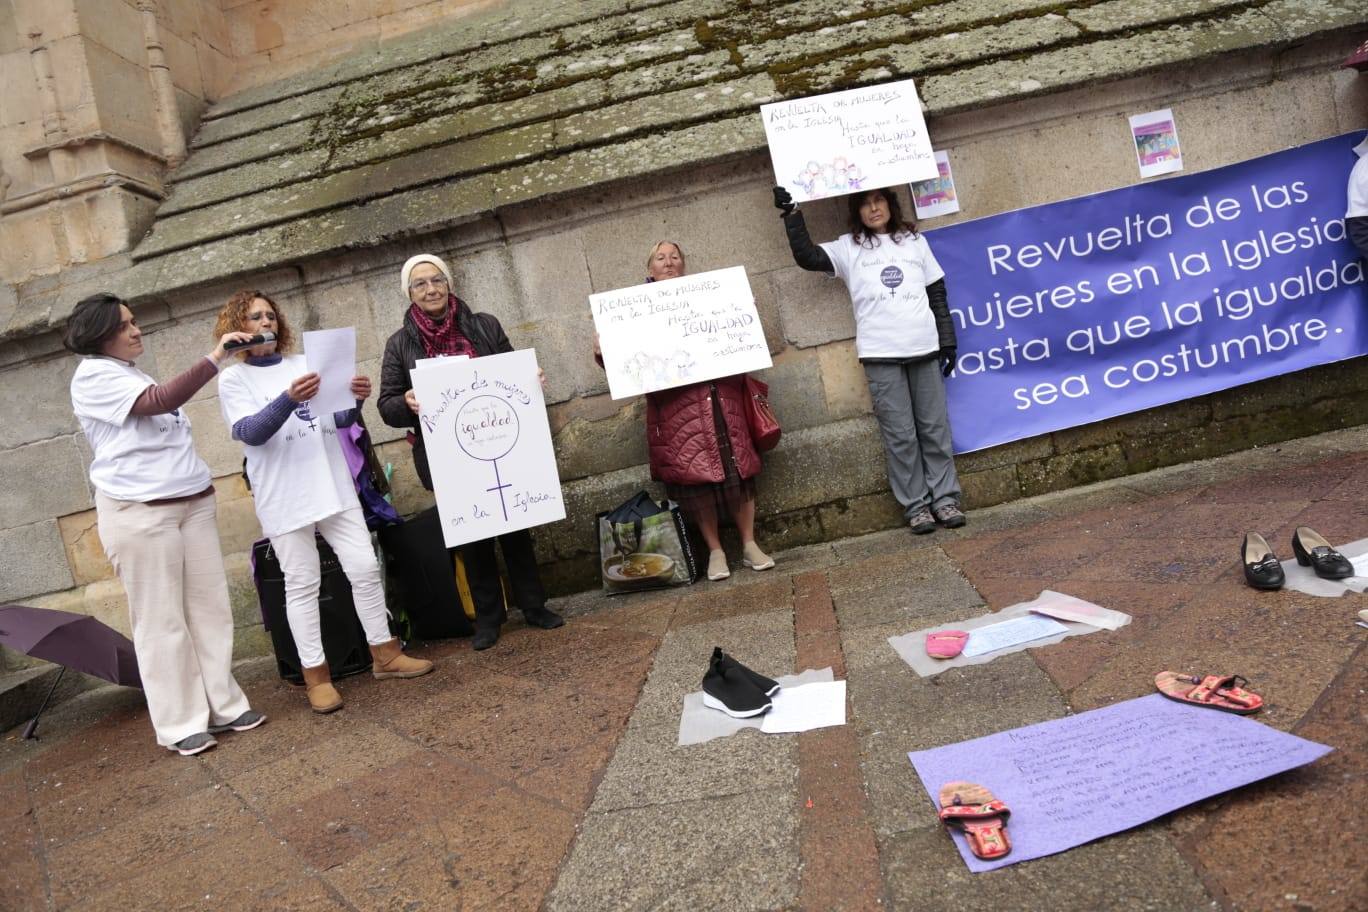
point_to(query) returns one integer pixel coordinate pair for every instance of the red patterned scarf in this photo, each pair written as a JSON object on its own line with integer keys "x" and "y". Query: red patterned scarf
{"x": 441, "y": 337}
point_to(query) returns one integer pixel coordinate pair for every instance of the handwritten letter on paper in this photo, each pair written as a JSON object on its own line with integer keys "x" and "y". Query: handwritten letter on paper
{"x": 848, "y": 142}
{"x": 1083, "y": 777}
{"x": 488, "y": 445}
{"x": 679, "y": 331}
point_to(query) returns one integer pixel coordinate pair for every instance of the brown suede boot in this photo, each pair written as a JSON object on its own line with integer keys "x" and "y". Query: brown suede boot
{"x": 388, "y": 661}
{"x": 323, "y": 697}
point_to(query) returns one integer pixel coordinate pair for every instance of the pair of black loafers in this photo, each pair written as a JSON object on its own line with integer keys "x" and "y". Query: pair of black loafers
{"x": 1263, "y": 571}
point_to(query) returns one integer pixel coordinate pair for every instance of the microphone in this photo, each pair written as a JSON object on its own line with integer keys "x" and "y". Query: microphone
{"x": 258, "y": 339}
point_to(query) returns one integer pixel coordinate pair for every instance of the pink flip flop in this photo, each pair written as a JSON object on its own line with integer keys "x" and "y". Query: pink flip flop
{"x": 945, "y": 644}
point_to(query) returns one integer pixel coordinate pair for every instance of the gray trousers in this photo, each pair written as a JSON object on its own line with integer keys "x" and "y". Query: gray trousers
{"x": 909, "y": 402}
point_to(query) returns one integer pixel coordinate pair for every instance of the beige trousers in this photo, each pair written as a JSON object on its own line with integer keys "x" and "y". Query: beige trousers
{"x": 167, "y": 557}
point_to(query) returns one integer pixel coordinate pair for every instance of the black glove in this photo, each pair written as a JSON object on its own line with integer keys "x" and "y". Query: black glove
{"x": 783, "y": 201}
{"x": 947, "y": 361}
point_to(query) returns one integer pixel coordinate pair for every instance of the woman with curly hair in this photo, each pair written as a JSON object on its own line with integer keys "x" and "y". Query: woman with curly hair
{"x": 300, "y": 482}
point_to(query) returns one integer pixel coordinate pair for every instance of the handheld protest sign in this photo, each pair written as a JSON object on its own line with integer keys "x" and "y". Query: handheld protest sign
{"x": 848, "y": 142}
{"x": 679, "y": 331}
{"x": 488, "y": 445}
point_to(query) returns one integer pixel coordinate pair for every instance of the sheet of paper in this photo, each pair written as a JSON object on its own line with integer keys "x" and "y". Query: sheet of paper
{"x": 936, "y": 196}
{"x": 798, "y": 709}
{"x": 1076, "y": 779}
{"x": 1011, "y": 633}
{"x": 699, "y": 723}
{"x": 489, "y": 445}
{"x": 1156, "y": 143}
{"x": 331, "y": 353}
{"x": 911, "y": 647}
{"x": 1067, "y": 608}
{"x": 849, "y": 141}
{"x": 679, "y": 331}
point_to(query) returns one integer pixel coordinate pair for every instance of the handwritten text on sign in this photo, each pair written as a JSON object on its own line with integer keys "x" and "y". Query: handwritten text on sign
{"x": 848, "y": 142}
{"x": 679, "y": 331}
{"x": 488, "y": 445}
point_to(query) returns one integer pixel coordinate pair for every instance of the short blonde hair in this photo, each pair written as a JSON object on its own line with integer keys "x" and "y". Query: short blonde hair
{"x": 656, "y": 247}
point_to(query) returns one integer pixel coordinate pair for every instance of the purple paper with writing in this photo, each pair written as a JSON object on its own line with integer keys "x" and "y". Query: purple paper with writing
{"x": 1076, "y": 779}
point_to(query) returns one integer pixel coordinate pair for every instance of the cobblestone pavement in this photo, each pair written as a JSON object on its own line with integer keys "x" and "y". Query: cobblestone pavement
{"x": 544, "y": 772}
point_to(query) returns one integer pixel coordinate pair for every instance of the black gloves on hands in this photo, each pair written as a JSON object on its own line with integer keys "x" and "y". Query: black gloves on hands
{"x": 783, "y": 201}
{"x": 947, "y": 361}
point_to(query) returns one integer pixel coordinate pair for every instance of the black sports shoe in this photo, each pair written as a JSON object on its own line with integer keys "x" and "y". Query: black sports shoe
{"x": 546, "y": 619}
{"x": 485, "y": 637}
{"x": 768, "y": 686}
{"x": 728, "y": 688}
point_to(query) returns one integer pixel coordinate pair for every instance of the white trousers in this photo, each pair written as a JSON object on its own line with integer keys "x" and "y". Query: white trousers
{"x": 167, "y": 556}
{"x": 298, "y": 555}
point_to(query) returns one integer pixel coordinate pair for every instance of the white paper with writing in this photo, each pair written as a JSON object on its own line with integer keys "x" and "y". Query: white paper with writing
{"x": 331, "y": 353}
{"x": 1010, "y": 633}
{"x": 488, "y": 445}
{"x": 850, "y": 141}
{"x": 679, "y": 331}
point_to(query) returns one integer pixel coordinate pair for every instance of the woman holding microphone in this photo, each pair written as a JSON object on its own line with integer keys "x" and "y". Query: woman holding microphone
{"x": 156, "y": 517}
{"x": 301, "y": 482}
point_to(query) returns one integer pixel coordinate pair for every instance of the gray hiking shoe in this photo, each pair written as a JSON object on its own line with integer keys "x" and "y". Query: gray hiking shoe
{"x": 922, "y": 522}
{"x": 950, "y": 516}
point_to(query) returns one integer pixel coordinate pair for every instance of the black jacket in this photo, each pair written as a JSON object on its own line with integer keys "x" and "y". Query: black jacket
{"x": 404, "y": 348}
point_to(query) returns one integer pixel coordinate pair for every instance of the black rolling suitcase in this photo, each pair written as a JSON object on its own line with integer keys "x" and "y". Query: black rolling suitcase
{"x": 344, "y": 640}
{"x": 422, "y": 573}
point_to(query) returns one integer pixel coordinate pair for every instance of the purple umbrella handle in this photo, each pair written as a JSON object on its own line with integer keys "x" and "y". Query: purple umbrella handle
{"x": 31, "y": 729}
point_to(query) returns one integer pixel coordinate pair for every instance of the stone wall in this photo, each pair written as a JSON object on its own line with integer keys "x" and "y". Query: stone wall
{"x": 88, "y": 125}
{"x": 533, "y": 266}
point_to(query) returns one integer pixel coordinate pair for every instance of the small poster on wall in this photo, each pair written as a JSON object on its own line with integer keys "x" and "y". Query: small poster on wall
{"x": 936, "y": 196}
{"x": 679, "y": 331}
{"x": 1156, "y": 143}
{"x": 488, "y": 445}
{"x": 846, "y": 142}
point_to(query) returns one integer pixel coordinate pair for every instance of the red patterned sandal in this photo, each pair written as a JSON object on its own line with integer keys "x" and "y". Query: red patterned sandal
{"x": 1224, "y": 692}
{"x": 982, "y": 817}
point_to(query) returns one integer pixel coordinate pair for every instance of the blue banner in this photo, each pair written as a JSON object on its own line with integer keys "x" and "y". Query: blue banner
{"x": 1077, "y": 311}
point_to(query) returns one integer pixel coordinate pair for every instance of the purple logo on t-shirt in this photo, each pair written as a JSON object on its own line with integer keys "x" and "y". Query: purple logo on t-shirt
{"x": 891, "y": 277}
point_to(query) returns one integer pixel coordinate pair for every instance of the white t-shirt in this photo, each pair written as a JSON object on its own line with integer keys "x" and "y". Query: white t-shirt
{"x": 887, "y": 284}
{"x": 299, "y": 476}
{"x": 137, "y": 457}
{"x": 1358, "y": 184}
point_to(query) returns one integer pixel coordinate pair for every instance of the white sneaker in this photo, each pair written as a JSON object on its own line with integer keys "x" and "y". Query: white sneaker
{"x": 754, "y": 558}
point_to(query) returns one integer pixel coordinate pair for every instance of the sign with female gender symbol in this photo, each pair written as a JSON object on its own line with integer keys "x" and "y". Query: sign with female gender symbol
{"x": 488, "y": 445}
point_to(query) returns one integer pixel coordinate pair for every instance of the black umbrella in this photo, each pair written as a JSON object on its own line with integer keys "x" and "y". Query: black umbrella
{"x": 71, "y": 640}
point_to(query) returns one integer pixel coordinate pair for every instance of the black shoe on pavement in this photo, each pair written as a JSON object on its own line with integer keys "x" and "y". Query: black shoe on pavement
{"x": 768, "y": 686}
{"x": 546, "y": 619}
{"x": 485, "y": 638}
{"x": 729, "y": 689}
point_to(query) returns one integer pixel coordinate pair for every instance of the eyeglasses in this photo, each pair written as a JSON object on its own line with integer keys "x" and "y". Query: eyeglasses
{"x": 421, "y": 285}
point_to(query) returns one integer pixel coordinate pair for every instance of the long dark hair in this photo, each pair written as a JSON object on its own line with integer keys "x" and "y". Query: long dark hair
{"x": 93, "y": 322}
{"x": 898, "y": 226}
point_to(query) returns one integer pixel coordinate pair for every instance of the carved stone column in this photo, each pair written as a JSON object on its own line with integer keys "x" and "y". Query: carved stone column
{"x": 163, "y": 90}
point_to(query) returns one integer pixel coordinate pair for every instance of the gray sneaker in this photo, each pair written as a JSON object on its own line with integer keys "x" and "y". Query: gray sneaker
{"x": 194, "y": 744}
{"x": 245, "y": 722}
{"x": 950, "y": 516}
{"x": 922, "y": 522}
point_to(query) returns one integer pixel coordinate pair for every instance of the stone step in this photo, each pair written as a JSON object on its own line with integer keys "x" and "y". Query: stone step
{"x": 22, "y": 692}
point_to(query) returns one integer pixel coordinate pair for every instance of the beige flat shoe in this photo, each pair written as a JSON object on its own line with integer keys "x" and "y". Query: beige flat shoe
{"x": 754, "y": 558}
{"x": 717, "y": 566}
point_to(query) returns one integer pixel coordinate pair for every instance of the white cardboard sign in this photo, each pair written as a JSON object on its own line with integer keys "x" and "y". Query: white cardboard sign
{"x": 679, "y": 331}
{"x": 488, "y": 445}
{"x": 849, "y": 142}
